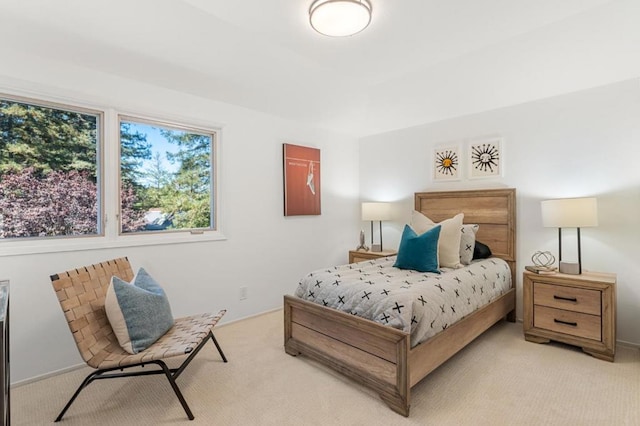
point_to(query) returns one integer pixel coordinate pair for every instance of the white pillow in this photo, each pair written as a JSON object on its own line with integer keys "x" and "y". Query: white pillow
{"x": 467, "y": 243}
{"x": 450, "y": 235}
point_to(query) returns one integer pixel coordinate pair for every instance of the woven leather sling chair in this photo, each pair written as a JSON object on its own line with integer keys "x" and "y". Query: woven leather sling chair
{"x": 81, "y": 293}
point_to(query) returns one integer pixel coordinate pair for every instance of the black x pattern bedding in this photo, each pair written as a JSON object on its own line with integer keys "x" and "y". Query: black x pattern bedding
{"x": 416, "y": 302}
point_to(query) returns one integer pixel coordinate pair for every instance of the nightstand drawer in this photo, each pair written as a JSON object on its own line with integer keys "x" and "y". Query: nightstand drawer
{"x": 357, "y": 258}
{"x": 567, "y": 322}
{"x": 360, "y": 256}
{"x": 569, "y": 298}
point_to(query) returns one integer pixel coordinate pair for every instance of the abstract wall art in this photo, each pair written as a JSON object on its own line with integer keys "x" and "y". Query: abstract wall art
{"x": 301, "y": 180}
{"x": 446, "y": 162}
{"x": 486, "y": 158}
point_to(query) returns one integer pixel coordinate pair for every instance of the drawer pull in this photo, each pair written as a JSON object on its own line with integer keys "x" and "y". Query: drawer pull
{"x": 573, "y": 324}
{"x": 569, "y": 299}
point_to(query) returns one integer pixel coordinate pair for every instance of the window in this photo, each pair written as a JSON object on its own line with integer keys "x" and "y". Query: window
{"x": 165, "y": 177}
{"x": 84, "y": 177}
{"x": 49, "y": 170}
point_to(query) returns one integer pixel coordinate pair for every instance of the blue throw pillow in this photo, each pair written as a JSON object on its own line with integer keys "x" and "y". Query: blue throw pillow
{"x": 419, "y": 252}
{"x": 139, "y": 312}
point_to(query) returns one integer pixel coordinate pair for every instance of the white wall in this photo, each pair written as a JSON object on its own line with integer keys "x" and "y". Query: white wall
{"x": 264, "y": 250}
{"x": 581, "y": 144}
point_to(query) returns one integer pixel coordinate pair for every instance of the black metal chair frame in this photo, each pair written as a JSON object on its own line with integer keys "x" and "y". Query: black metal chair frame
{"x": 171, "y": 373}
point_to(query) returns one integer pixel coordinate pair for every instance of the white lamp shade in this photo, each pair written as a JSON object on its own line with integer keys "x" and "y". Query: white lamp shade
{"x": 376, "y": 211}
{"x": 570, "y": 212}
{"x": 340, "y": 18}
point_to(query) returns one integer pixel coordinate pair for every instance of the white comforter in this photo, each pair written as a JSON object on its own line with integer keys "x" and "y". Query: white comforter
{"x": 416, "y": 302}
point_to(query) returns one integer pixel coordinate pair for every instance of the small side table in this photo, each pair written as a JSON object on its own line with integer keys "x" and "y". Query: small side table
{"x": 576, "y": 309}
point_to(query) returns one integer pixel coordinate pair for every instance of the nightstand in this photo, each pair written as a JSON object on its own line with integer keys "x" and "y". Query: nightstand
{"x": 576, "y": 309}
{"x": 361, "y": 256}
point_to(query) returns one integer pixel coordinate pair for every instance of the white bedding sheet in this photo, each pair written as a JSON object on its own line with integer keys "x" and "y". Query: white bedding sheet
{"x": 416, "y": 302}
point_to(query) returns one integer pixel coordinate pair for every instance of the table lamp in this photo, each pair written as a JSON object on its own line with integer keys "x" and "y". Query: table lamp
{"x": 376, "y": 212}
{"x": 569, "y": 213}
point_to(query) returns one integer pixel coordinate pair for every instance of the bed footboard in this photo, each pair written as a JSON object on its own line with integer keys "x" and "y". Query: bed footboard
{"x": 374, "y": 355}
{"x": 377, "y": 356}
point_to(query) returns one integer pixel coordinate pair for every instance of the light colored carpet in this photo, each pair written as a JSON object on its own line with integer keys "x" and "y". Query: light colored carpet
{"x": 500, "y": 379}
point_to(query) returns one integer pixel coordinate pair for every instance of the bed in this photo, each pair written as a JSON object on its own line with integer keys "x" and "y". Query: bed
{"x": 382, "y": 357}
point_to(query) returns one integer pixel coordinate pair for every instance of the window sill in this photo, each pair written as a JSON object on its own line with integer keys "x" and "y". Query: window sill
{"x": 17, "y": 248}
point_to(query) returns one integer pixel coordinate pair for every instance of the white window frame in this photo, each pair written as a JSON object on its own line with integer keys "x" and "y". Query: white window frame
{"x": 109, "y": 185}
{"x": 214, "y": 133}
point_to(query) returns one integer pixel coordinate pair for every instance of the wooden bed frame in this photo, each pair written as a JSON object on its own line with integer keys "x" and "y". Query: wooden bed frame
{"x": 380, "y": 357}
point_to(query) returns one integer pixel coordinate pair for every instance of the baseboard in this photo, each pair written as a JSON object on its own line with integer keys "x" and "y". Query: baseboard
{"x": 47, "y": 375}
{"x": 628, "y": 344}
{"x": 259, "y": 314}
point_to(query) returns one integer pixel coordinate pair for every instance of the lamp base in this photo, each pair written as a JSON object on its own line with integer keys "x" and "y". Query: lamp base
{"x": 569, "y": 268}
{"x": 376, "y": 247}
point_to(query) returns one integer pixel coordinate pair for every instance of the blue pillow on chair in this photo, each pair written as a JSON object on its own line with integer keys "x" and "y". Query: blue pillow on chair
{"x": 419, "y": 252}
{"x": 139, "y": 312}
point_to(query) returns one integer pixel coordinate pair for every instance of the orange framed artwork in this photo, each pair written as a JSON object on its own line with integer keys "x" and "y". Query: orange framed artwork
{"x": 301, "y": 180}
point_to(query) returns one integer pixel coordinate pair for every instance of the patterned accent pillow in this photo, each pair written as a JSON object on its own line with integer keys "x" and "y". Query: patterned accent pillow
{"x": 449, "y": 243}
{"x": 418, "y": 252}
{"x": 139, "y": 312}
{"x": 467, "y": 243}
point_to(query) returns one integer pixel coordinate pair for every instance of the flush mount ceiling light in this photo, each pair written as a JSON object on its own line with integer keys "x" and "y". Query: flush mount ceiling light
{"x": 340, "y": 18}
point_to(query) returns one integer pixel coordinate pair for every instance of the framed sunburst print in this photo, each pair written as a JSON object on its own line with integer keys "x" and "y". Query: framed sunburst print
{"x": 446, "y": 162}
{"x": 486, "y": 158}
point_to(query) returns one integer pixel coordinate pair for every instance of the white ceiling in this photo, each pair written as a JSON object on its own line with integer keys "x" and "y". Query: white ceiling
{"x": 418, "y": 61}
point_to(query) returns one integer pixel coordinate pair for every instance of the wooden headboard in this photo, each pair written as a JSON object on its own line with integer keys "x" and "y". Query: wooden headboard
{"x": 493, "y": 209}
